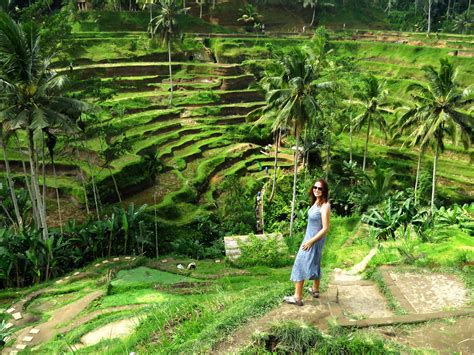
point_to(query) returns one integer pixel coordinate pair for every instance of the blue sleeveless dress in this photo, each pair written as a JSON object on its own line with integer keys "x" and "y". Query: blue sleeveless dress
{"x": 307, "y": 264}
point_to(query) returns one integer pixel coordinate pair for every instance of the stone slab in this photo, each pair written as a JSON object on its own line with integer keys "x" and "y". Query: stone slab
{"x": 404, "y": 319}
{"x": 363, "y": 301}
{"x": 17, "y": 315}
{"x": 34, "y": 331}
{"x": 430, "y": 292}
{"x": 8, "y": 325}
{"x": 20, "y": 346}
{"x": 27, "y": 339}
{"x": 10, "y": 310}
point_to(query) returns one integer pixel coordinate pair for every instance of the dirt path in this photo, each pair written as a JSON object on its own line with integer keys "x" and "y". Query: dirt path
{"x": 30, "y": 336}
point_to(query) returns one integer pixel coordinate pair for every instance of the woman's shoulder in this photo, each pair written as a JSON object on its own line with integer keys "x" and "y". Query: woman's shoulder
{"x": 325, "y": 206}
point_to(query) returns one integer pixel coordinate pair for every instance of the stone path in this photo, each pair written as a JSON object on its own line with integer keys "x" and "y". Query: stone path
{"x": 29, "y": 336}
{"x": 353, "y": 302}
{"x": 118, "y": 329}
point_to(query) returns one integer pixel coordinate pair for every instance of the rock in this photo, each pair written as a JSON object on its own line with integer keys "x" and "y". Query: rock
{"x": 17, "y": 316}
{"x": 10, "y": 311}
{"x": 218, "y": 261}
{"x": 164, "y": 261}
{"x": 116, "y": 259}
{"x": 179, "y": 266}
{"x": 191, "y": 266}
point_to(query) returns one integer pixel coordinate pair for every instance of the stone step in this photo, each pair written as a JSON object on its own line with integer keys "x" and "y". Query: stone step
{"x": 403, "y": 319}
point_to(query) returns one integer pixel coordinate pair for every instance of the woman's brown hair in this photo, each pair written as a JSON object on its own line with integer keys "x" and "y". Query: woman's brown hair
{"x": 325, "y": 192}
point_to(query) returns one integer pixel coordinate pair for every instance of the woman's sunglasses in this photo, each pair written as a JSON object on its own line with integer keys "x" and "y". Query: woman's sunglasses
{"x": 318, "y": 188}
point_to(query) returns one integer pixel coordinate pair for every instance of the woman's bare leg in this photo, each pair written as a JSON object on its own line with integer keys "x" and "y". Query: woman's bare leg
{"x": 299, "y": 290}
{"x": 316, "y": 283}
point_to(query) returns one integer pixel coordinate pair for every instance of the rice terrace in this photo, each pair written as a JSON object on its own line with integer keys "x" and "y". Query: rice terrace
{"x": 168, "y": 165}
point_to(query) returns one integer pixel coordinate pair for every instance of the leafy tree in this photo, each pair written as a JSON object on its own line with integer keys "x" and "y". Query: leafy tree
{"x": 438, "y": 112}
{"x": 295, "y": 101}
{"x": 314, "y": 4}
{"x": 31, "y": 94}
{"x": 167, "y": 26}
{"x": 374, "y": 103}
{"x": 463, "y": 22}
{"x": 250, "y": 17}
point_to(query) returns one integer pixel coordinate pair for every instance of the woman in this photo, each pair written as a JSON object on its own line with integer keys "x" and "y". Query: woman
{"x": 308, "y": 260}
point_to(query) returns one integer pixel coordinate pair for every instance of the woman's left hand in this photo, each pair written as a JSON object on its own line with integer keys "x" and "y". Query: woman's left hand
{"x": 306, "y": 246}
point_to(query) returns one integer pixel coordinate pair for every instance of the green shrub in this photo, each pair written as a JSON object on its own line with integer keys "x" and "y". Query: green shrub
{"x": 296, "y": 338}
{"x": 270, "y": 251}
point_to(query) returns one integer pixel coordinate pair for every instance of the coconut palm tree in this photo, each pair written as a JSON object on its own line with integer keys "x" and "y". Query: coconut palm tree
{"x": 314, "y": 4}
{"x": 439, "y": 112}
{"x": 295, "y": 102}
{"x": 373, "y": 100}
{"x": 167, "y": 26}
{"x": 31, "y": 94}
{"x": 11, "y": 185}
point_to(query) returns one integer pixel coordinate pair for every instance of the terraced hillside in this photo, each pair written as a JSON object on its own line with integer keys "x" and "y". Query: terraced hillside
{"x": 203, "y": 136}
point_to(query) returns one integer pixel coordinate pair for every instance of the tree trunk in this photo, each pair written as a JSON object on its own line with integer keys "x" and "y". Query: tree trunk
{"x": 295, "y": 174}
{"x": 200, "y": 10}
{"x": 433, "y": 188}
{"x": 30, "y": 190}
{"x": 469, "y": 8}
{"x": 11, "y": 184}
{"x": 171, "y": 73}
{"x": 43, "y": 171}
{"x": 151, "y": 13}
{"x": 350, "y": 138}
{"x": 328, "y": 158}
{"x": 35, "y": 185}
{"x": 429, "y": 16}
{"x": 447, "y": 11}
{"x": 314, "y": 16}
{"x": 418, "y": 174}
{"x": 275, "y": 165}
{"x": 156, "y": 225}
{"x": 115, "y": 185}
{"x": 366, "y": 145}
{"x": 57, "y": 200}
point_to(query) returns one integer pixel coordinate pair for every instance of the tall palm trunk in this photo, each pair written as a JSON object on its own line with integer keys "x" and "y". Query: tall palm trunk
{"x": 295, "y": 174}
{"x": 417, "y": 179}
{"x": 433, "y": 188}
{"x": 34, "y": 208}
{"x": 314, "y": 16}
{"x": 11, "y": 184}
{"x": 35, "y": 185}
{"x": 200, "y": 9}
{"x": 429, "y": 16}
{"x": 115, "y": 185}
{"x": 58, "y": 202}
{"x": 43, "y": 171}
{"x": 447, "y": 11}
{"x": 275, "y": 165}
{"x": 171, "y": 72}
{"x": 366, "y": 145}
{"x": 350, "y": 138}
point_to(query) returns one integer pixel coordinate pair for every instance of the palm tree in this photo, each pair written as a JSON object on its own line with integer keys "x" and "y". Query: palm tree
{"x": 295, "y": 102}
{"x": 31, "y": 93}
{"x": 314, "y": 4}
{"x": 11, "y": 185}
{"x": 438, "y": 112}
{"x": 373, "y": 99}
{"x": 166, "y": 25}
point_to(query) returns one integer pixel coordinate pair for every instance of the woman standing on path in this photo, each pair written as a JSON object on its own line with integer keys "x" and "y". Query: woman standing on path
{"x": 307, "y": 264}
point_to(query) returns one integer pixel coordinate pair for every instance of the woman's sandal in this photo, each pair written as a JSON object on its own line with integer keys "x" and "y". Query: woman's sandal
{"x": 293, "y": 300}
{"x": 313, "y": 293}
